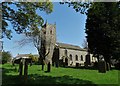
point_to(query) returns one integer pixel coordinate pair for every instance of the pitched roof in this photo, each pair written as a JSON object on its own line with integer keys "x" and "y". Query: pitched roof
{"x": 22, "y": 56}
{"x": 69, "y": 46}
{"x": 26, "y": 55}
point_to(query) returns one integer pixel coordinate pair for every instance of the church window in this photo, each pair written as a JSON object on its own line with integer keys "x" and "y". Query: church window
{"x": 70, "y": 57}
{"x": 76, "y": 57}
{"x": 50, "y": 31}
{"x": 65, "y": 52}
{"x": 81, "y": 58}
{"x": 44, "y": 32}
{"x": 92, "y": 57}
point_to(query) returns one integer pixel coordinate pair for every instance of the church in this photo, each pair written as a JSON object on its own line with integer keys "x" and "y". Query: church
{"x": 61, "y": 54}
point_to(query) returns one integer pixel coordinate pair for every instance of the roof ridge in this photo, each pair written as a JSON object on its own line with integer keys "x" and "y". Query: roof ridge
{"x": 68, "y": 44}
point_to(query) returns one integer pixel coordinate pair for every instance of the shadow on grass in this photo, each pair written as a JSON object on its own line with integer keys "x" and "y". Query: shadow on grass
{"x": 36, "y": 79}
{"x": 82, "y": 67}
{"x": 90, "y": 68}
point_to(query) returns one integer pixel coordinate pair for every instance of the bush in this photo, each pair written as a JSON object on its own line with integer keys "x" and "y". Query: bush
{"x": 6, "y": 57}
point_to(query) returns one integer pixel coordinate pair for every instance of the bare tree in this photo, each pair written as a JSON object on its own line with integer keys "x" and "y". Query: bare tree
{"x": 42, "y": 44}
{"x": 85, "y": 44}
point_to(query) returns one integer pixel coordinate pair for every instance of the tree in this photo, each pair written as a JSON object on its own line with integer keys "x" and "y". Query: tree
{"x": 103, "y": 22}
{"x": 6, "y": 57}
{"x": 22, "y": 15}
{"x": 37, "y": 37}
{"x": 78, "y": 6}
{"x": 85, "y": 44}
{"x": 102, "y": 29}
{"x": 34, "y": 58}
{"x": 24, "y": 18}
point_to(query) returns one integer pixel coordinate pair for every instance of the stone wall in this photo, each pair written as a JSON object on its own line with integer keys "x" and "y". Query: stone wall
{"x": 49, "y": 31}
{"x": 50, "y": 40}
{"x": 81, "y": 55}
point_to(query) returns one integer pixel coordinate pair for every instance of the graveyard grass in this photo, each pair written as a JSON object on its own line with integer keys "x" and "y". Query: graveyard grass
{"x": 58, "y": 76}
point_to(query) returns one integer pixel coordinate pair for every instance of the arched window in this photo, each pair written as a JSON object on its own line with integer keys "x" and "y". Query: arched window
{"x": 51, "y": 32}
{"x": 44, "y": 32}
{"x": 81, "y": 58}
{"x": 70, "y": 57}
{"x": 65, "y": 52}
{"x": 76, "y": 57}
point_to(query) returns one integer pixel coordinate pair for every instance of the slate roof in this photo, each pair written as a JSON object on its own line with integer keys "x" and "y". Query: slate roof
{"x": 21, "y": 56}
{"x": 69, "y": 46}
{"x": 24, "y": 56}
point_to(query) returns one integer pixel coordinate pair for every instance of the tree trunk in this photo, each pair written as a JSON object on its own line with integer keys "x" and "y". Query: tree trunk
{"x": 42, "y": 65}
{"x": 26, "y": 68}
{"x": 48, "y": 67}
{"x": 20, "y": 68}
{"x": 56, "y": 64}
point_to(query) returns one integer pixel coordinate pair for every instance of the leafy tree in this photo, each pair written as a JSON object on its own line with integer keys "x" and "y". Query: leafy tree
{"x": 34, "y": 58}
{"x": 24, "y": 19}
{"x": 102, "y": 28}
{"x": 78, "y": 6}
{"x": 22, "y": 15}
{"x": 6, "y": 57}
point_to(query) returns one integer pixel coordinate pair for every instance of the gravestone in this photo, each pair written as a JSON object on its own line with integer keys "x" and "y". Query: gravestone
{"x": 20, "y": 68}
{"x": 87, "y": 60}
{"x": 102, "y": 67}
{"x": 77, "y": 65}
{"x": 48, "y": 68}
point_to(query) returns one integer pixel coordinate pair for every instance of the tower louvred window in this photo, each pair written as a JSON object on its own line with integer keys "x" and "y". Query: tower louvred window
{"x": 76, "y": 57}
{"x": 44, "y": 31}
{"x": 50, "y": 31}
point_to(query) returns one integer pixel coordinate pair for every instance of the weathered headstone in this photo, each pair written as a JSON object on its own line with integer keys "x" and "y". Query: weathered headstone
{"x": 26, "y": 68}
{"x": 20, "y": 68}
{"x": 87, "y": 59}
{"x": 102, "y": 67}
{"x": 49, "y": 67}
{"x": 77, "y": 64}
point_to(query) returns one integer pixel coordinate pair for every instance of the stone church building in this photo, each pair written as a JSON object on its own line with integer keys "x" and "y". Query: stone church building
{"x": 61, "y": 54}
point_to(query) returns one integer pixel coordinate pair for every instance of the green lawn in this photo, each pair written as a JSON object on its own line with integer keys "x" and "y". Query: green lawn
{"x": 58, "y": 76}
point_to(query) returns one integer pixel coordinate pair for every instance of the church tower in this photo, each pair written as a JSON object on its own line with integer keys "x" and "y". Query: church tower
{"x": 49, "y": 33}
